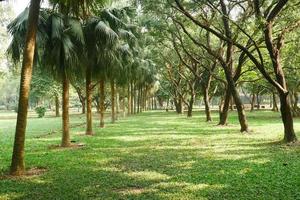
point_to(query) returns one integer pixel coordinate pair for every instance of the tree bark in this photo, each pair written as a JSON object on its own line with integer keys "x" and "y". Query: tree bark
{"x": 257, "y": 101}
{"x": 88, "y": 89}
{"x": 224, "y": 110}
{"x": 102, "y": 101}
{"x": 17, "y": 167}
{"x": 252, "y": 102}
{"x": 129, "y": 99}
{"x": 83, "y": 107}
{"x": 190, "y": 108}
{"x": 57, "y": 105}
{"x": 207, "y": 106}
{"x": 138, "y": 99}
{"x": 113, "y": 113}
{"x": 295, "y": 108}
{"x": 135, "y": 104}
{"x": 117, "y": 104}
{"x": 205, "y": 90}
{"x": 132, "y": 98}
{"x": 124, "y": 102}
{"x": 275, "y": 107}
{"x": 240, "y": 109}
{"x": 65, "y": 113}
{"x": 287, "y": 118}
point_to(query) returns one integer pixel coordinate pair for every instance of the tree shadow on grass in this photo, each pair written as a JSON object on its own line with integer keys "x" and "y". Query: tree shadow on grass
{"x": 174, "y": 160}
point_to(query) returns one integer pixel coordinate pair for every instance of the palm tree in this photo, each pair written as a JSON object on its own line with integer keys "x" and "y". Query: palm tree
{"x": 17, "y": 167}
{"x": 100, "y": 42}
{"x": 102, "y": 34}
{"x": 64, "y": 43}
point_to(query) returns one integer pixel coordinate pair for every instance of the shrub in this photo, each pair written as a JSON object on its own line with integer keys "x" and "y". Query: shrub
{"x": 40, "y": 111}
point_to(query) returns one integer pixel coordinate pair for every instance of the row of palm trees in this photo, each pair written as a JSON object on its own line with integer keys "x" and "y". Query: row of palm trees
{"x": 100, "y": 47}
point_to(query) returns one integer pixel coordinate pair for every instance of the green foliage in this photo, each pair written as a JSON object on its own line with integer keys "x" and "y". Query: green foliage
{"x": 40, "y": 110}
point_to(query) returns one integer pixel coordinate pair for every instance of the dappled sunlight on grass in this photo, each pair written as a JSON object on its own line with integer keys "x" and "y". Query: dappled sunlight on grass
{"x": 147, "y": 175}
{"x": 157, "y": 155}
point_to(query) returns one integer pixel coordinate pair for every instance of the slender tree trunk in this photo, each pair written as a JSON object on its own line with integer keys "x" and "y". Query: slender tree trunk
{"x": 135, "y": 100}
{"x": 83, "y": 107}
{"x": 102, "y": 100}
{"x": 190, "y": 108}
{"x": 57, "y": 105}
{"x": 132, "y": 98}
{"x": 294, "y": 101}
{"x": 113, "y": 113}
{"x": 177, "y": 105}
{"x": 117, "y": 104}
{"x": 152, "y": 103}
{"x": 240, "y": 109}
{"x": 275, "y": 107}
{"x": 65, "y": 113}
{"x": 205, "y": 89}
{"x": 258, "y": 101}
{"x": 287, "y": 118}
{"x": 225, "y": 108}
{"x": 17, "y": 167}
{"x": 124, "y": 102}
{"x": 129, "y": 99}
{"x": 206, "y": 103}
{"x": 191, "y": 103}
{"x": 237, "y": 100}
{"x": 227, "y": 66}
{"x": 252, "y": 102}
{"x": 88, "y": 89}
{"x": 231, "y": 104}
{"x": 138, "y": 99}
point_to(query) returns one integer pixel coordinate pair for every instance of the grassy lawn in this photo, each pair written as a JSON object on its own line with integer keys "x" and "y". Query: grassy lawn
{"x": 156, "y": 155}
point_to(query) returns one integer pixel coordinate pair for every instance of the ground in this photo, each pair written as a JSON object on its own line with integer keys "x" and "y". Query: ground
{"x": 155, "y": 155}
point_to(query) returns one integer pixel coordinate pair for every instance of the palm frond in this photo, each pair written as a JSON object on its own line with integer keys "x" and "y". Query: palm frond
{"x": 105, "y": 34}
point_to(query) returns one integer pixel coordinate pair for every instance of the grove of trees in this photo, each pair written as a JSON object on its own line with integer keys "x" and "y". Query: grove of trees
{"x": 148, "y": 54}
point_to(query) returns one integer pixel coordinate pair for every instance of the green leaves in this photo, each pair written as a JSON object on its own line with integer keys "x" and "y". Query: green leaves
{"x": 105, "y": 34}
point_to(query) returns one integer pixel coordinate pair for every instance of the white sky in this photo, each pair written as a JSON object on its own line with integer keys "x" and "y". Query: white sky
{"x": 20, "y": 5}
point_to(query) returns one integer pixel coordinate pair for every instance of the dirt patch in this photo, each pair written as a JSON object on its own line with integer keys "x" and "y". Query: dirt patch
{"x": 72, "y": 146}
{"x": 30, "y": 173}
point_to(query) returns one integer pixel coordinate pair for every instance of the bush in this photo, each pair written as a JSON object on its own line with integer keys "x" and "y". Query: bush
{"x": 40, "y": 111}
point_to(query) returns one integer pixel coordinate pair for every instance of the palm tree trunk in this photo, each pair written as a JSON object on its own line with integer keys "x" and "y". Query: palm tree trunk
{"x": 56, "y": 105}
{"x": 124, "y": 103}
{"x": 102, "y": 100}
{"x": 89, "y": 119}
{"x": 17, "y": 167}
{"x": 117, "y": 104}
{"x": 139, "y": 100}
{"x": 112, "y": 86}
{"x": 65, "y": 113}
{"x": 132, "y": 98}
{"x": 129, "y": 99}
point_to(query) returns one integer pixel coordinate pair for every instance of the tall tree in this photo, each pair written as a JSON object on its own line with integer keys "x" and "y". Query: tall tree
{"x": 18, "y": 165}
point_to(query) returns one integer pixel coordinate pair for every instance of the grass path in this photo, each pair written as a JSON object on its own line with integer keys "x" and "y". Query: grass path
{"x": 156, "y": 155}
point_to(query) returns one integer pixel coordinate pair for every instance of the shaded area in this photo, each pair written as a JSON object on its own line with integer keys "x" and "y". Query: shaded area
{"x": 160, "y": 156}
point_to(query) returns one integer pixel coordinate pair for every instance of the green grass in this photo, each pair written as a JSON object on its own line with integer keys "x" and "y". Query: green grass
{"x": 156, "y": 155}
